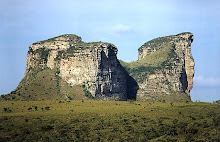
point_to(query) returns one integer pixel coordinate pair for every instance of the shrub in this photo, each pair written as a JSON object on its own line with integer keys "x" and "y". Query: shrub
{"x": 47, "y": 128}
{"x": 134, "y": 120}
{"x": 70, "y": 98}
{"x": 5, "y": 117}
{"x": 7, "y": 109}
{"x": 88, "y": 94}
{"x": 36, "y": 108}
{"x": 47, "y": 108}
{"x": 13, "y": 92}
{"x": 30, "y": 108}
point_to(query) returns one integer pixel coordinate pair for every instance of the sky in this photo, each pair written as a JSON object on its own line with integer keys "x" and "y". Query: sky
{"x": 126, "y": 23}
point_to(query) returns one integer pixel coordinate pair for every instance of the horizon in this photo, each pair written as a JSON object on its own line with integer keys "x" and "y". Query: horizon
{"x": 126, "y": 27}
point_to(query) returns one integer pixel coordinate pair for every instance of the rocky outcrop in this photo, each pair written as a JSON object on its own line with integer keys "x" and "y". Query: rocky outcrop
{"x": 93, "y": 66}
{"x": 170, "y": 77}
{"x": 65, "y": 67}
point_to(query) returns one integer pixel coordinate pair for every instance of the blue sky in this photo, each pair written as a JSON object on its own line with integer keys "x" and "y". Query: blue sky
{"x": 127, "y": 24}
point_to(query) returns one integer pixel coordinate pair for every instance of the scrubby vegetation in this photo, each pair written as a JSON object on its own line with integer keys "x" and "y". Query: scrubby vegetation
{"x": 46, "y": 85}
{"x": 162, "y": 59}
{"x": 157, "y": 42}
{"x": 70, "y": 36}
{"x": 42, "y": 52}
{"x": 140, "y": 73}
{"x": 109, "y": 121}
{"x": 88, "y": 94}
{"x": 160, "y": 41}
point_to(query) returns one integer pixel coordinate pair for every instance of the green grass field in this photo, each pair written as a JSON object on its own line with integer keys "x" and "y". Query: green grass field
{"x": 109, "y": 121}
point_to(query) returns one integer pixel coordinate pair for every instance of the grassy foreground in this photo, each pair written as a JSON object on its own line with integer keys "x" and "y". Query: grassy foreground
{"x": 108, "y": 121}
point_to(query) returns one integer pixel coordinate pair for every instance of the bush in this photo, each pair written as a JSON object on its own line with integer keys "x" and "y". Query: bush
{"x": 47, "y": 108}
{"x": 70, "y": 98}
{"x": 26, "y": 120}
{"x": 88, "y": 94}
{"x": 30, "y": 108}
{"x": 5, "y": 118}
{"x": 134, "y": 120}
{"x": 7, "y": 109}
{"x": 47, "y": 128}
{"x": 36, "y": 108}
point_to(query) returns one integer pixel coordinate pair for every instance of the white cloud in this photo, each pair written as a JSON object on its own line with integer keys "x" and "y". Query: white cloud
{"x": 206, "y": 81}
{"x": 121, "y": 28}
{"x": 104, "y": 33}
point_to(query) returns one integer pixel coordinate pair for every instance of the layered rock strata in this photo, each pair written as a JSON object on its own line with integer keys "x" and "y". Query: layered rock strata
{"x": 172, "y": 78}
{"x": 65, "y": 67}
{"x": 93, "y": 66}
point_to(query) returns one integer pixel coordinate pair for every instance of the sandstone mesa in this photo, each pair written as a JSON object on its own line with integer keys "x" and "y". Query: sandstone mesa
{"x": 65, "y": 67}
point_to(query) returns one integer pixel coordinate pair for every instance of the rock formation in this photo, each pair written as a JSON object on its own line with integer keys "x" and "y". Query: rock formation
{"x": 71, "y": 62}
{"x": 65, "y": 67}
{"x": 165, "y": 68}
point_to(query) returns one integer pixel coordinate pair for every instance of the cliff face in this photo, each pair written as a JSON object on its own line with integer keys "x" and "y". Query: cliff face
{"x": 91, "y": 66}
{"x": 165, "y": 68}
{"x": 65, "y": 67}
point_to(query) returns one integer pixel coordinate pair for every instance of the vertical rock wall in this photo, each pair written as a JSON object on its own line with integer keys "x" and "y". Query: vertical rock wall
{"x": 174, "y": 80}
{"x": 91, "y": 65}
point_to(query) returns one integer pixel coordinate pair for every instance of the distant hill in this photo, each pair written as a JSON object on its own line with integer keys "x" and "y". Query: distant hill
{"x": 65, "y": 67}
